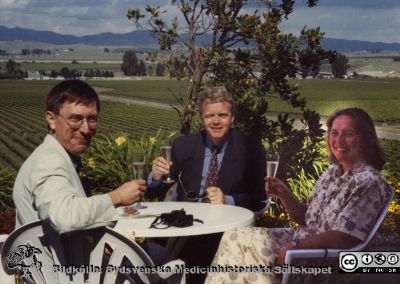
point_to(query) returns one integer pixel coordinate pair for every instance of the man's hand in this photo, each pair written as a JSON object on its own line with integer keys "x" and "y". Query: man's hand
{"x": 128, "y": 193}
{"x": 215, "y": 195}
{"x": 160, "y": 168}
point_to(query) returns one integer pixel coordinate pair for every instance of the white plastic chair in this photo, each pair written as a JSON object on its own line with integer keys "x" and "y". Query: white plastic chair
{"x": 292, "y": 255}
{"x": 4, "y": 278}
{"x": 36, "y": 249}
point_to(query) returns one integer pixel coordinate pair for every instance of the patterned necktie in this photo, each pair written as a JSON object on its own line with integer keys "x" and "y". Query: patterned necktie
{"x": 212, "y": 176}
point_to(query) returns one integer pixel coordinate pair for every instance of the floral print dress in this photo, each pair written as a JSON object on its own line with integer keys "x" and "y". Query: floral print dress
{"x": 348, "y": 203}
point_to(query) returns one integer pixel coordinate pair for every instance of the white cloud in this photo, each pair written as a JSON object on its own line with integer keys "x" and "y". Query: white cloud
{"x": 362, "y": 4}
{"x": 350, "y": 23}
{"x": 375, "y": 20}
{"x": 73, "y": 11}
{"x": 4, "y": 4}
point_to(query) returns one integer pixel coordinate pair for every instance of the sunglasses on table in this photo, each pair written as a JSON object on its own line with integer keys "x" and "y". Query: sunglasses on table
{"x": 191, "y": 194}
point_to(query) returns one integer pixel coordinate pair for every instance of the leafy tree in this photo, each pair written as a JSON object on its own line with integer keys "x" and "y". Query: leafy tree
{"x": 88, "y": 73}
{"x": 340, "y": 66}
{"x": 142, "y": 68}
{"x": 12, "y": 67}
{"x": 160, "y": 69}
{"x": 53, "y": 74}
{"x": 130, "y": 63}
{"x": 150, "y": 70}
{"x": 69, "y": 74}
{"x": 246, "y": 51}
{"x": 25, "y": 51}
{"x": 311, "y": 53}
{"x": 177, "y": 67}
{"x": 13, "y": 71}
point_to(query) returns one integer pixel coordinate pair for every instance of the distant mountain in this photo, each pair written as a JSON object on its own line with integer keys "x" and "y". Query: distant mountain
{"x": 146, "y": 38}
{"x": 358, "y": 45}
{"x": 132, "y": 38}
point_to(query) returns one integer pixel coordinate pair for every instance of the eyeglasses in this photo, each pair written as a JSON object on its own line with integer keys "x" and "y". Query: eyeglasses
{"x": 76, "y": 121}
{"x": 191, "y": 194}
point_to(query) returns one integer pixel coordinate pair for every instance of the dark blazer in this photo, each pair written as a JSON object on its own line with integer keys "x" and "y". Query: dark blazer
{"x": 241, "y": 174}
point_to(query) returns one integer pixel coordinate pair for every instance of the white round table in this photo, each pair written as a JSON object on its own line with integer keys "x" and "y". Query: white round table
{"x": 216, "y": 218}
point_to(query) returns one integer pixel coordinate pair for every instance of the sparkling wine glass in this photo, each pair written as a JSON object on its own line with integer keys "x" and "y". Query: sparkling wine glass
{"x": 139, "y": 162}
{"x": 272, "y": 168}
{"x": 166, "y": 153}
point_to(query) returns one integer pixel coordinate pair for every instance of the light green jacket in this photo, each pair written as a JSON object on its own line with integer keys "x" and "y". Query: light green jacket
{"x": 48, "y": 187}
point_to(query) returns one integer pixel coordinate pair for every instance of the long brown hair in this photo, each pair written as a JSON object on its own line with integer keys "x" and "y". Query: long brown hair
{"x": 370, "y": 150}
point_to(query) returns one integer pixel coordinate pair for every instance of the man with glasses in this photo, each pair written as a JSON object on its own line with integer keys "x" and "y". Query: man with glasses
{"x": 49, "y": 184}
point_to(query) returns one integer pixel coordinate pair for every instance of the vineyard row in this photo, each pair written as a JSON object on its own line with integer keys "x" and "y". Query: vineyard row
{"x": 23, "y": 126}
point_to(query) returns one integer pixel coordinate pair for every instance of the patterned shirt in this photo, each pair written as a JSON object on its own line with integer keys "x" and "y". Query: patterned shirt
{"x": 349, "y": 202}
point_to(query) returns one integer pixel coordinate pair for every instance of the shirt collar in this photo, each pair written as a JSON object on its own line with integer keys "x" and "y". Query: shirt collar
{"x": 356, "y": 167}
{"x": 222, "y": 146}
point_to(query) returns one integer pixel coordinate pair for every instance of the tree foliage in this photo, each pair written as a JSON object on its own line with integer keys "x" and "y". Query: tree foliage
{"x": 131, "y": 66}
{"x": 340, "y": 66}
{"x": 160, "y": 69}
{"x": 245, "y": 50}
{"x": 130, "y": 63}
{"x": 13, "y": 70}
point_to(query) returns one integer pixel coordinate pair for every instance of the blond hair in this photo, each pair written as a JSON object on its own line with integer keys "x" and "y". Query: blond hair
{"x": 215, "y": 95}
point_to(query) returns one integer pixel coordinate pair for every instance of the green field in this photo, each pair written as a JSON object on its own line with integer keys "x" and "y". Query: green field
{"x": 380, "y": 97}
{"x": 159, "y": 90}
{"x": 63, "y": 52}
{"x": 29, "y": 66}
{"x": 22, "y": 107}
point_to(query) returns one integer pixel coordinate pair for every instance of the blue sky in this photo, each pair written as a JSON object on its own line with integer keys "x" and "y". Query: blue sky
{"x": 372, "y": 20}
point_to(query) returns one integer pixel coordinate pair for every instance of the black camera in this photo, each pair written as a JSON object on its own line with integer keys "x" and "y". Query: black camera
{"x": 176, "y": 218}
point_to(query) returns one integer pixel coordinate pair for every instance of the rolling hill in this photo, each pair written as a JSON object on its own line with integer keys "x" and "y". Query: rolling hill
{"x": 142, "y": 37}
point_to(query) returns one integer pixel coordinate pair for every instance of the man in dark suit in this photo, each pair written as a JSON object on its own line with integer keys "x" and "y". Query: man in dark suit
{"x": 219, "y": 163}
{"x": 239, "y": 160}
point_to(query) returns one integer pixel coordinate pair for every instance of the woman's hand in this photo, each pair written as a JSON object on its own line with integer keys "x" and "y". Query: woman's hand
{"x": 275, "y": 187}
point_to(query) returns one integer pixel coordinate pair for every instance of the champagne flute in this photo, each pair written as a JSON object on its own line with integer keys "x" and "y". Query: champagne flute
{"x": 272, "y": 168}
{"x": 139, "y": 162}
{"x": 166, "y": 153}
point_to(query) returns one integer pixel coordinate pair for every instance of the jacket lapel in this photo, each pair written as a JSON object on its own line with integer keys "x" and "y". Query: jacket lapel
{"x": 74, "y": 178}
{"x": 228, "y": 171}
{"x": 197, "y": 164}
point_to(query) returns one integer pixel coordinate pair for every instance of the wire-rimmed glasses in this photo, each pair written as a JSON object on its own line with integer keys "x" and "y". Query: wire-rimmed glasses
{"x": 191, "y": 194}
{"x": 76, "y": 121}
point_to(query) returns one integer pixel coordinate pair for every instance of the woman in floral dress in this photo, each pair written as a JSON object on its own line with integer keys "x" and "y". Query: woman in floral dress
{"x": 340, "y": 213}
